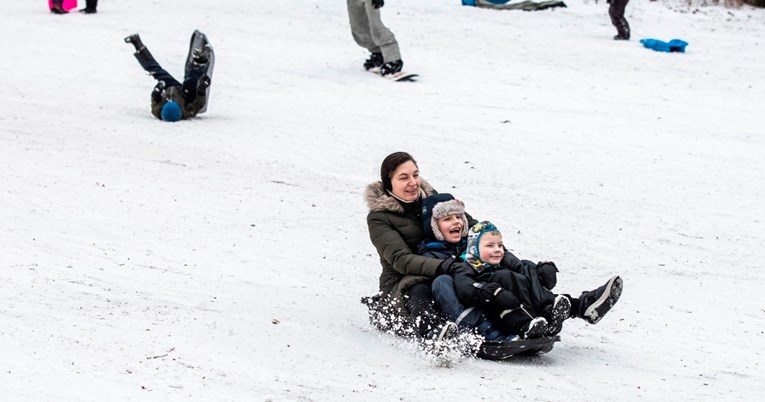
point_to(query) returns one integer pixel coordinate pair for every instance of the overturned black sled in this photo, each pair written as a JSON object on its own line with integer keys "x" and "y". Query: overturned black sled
{"x": 381, "y": 316}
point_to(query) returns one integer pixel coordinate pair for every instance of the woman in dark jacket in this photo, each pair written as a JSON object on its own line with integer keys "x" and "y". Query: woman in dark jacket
{"x": 395, "y": 230}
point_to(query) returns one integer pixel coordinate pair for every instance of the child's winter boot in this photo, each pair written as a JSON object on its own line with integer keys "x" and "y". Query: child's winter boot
{"x": 594, "y": 304}
{"x": 558, "y": 312}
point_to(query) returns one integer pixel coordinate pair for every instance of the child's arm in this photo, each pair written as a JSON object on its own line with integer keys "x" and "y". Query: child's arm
{"x": 511, "y": 262}
{"x": 473, "y": 293}
{"x": 465, "y": 286}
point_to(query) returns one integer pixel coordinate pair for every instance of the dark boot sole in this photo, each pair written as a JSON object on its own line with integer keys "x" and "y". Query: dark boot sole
{"x": 536, "y": 329}
{"x": 605, "y": 302}
{"x": 559, "y": 313}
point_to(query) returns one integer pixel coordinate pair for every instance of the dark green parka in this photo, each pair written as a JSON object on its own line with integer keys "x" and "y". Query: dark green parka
{"x": 395, "y": 232}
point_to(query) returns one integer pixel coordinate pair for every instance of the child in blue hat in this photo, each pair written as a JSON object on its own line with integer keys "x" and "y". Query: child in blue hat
{"x": 172, "y": 100}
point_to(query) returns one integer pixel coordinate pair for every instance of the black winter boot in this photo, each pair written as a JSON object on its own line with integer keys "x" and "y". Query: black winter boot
{"x": 90, "y": 7}
{"x": 594, "y": 304}
{"x": 558, "y": 312}
{"x": 520, "y": 321}
{"x": 536, "y": 328}
{"x": 624, "y": 28}
{"x": 374, "y": 61}
{"x": 391, "y": 67}
{"x": 447, "y": 331}
{"x": 135, "y": 40}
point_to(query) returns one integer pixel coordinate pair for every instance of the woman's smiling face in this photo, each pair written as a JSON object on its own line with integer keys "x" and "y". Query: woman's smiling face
{"x": 405, "y": 181}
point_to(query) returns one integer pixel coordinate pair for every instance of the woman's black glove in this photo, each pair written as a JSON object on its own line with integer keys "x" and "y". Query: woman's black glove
{"x": 447, "y": 267}
{"x": 378, "y": 3}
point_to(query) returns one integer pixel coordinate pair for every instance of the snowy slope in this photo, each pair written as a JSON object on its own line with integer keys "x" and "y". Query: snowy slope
{"x": 223, "y": 258}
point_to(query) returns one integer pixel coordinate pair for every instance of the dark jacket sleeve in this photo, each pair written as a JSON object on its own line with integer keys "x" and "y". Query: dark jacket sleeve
{"x": 512, "y": 262}
{"x": 464, "y": 279}
{"x": 394, "y": 250}
{"x": 433, "y": 254}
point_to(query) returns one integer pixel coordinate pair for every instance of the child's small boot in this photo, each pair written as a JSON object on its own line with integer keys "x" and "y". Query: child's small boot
{"x": 536, "y": 328}
{"x": 594, "y": 304}
{"x": 520, "y": 321}
{"x": 559, "y": 311}
{"x": 447, "y": 331}
{"x": 135, "y": 40}
{"x": 374, "y": 62}
{"x": 391, "y": 67}
{"x": 90, "y": 7}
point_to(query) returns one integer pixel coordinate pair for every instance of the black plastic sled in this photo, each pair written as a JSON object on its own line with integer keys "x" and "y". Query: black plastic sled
{"x": 199, "y": 45}
{"x": 382, "y": 317}
{"x": 501, "y": 350}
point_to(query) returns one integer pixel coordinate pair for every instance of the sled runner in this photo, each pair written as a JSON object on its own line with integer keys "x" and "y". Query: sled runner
{"x": 501, "y": 350}
{"x": 383, "y": 317}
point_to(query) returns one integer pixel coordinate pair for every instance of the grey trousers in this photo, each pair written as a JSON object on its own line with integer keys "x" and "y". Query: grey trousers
{"x": 369, "y": 32}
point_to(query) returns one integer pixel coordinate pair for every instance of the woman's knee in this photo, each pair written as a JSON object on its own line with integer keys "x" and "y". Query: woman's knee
{"x": 442, "y": 283}
{"x": 419, "y": 295}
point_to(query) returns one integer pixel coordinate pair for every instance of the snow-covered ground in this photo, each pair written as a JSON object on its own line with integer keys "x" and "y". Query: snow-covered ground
{"x": 223, "y": 258}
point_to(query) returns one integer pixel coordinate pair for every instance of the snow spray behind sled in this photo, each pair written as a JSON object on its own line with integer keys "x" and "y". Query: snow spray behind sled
{"x": 384, "y": 317}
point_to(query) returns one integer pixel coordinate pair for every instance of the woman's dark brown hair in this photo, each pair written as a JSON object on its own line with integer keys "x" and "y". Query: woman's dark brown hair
{"x": 389, "y": 165}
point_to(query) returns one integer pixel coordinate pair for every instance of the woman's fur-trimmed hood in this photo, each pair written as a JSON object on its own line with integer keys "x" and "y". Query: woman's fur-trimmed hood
{"x": 378, "y": 199}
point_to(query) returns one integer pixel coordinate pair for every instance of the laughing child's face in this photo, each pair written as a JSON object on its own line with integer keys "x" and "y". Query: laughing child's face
{"x": 451, "y": 227}
{"x": 491, "y": 248}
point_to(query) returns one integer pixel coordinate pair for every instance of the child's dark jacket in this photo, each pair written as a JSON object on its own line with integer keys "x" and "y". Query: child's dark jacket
{"x": 440, "y": 249}
{"x": 191, "y": 99}
{"x": 523, "y": 276}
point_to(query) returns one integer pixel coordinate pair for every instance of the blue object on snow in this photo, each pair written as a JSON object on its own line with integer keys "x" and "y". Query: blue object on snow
{"x": 468, "y": 3}
{"x": 675, "y": 45}
{"x": 171, "y": 111}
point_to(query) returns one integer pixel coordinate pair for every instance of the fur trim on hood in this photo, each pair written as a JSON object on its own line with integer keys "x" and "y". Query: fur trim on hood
{"x": 378, "y": 200}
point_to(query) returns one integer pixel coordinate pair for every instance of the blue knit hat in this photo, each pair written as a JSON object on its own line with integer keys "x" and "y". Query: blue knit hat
{"x": 171, "y": 112}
